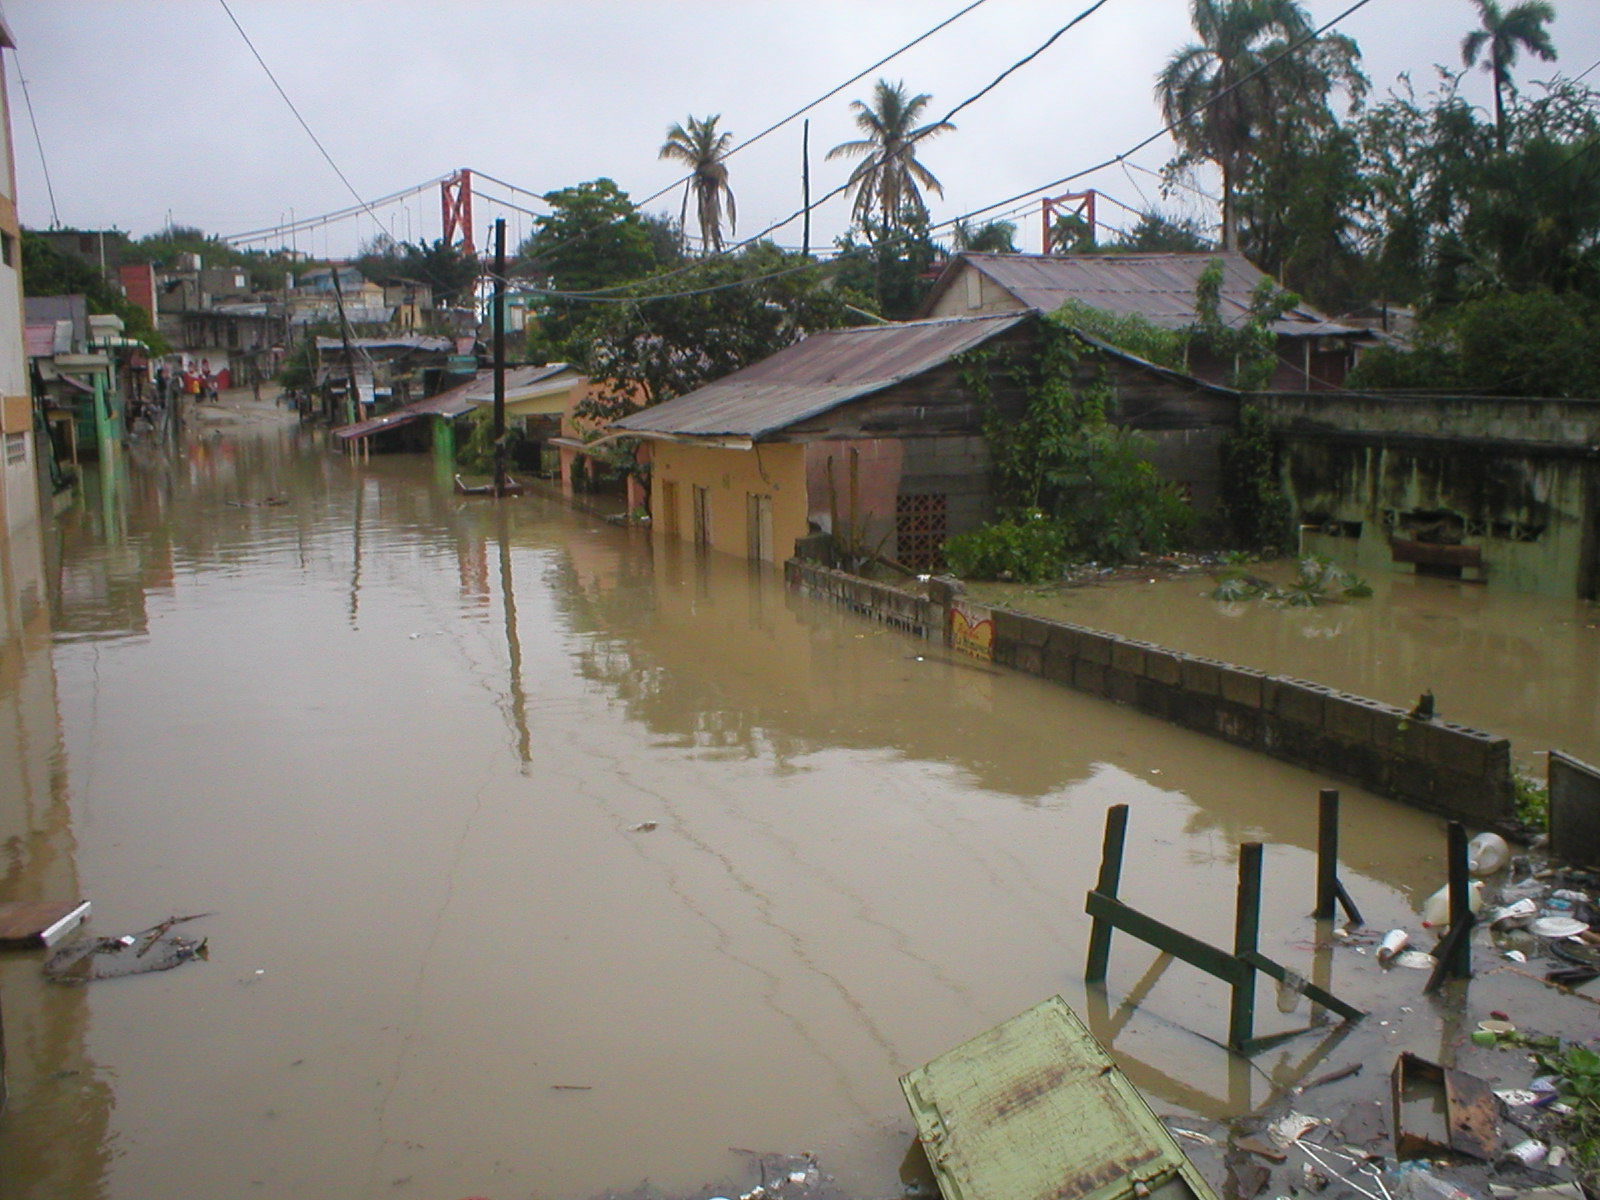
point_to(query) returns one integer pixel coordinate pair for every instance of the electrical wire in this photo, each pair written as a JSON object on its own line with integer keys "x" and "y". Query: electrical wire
{"x": 270, "y": 231}
{"x": 1022, "y": 62}
{"x": 315, "y": 140}
{"x": 55, "y": 217}
{"x": 843, "y": 187}
{"x": 1169, "y": 126}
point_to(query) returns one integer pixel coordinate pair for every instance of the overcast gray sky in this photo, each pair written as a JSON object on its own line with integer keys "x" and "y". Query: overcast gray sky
{"x": 150, "y": 110}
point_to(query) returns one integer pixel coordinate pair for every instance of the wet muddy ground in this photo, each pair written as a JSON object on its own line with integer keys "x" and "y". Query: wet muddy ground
{"x": 544, "y": 863}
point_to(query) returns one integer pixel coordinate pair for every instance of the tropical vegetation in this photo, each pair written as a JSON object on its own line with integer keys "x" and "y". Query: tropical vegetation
{"x": 701, "y": 147}
{"x": 888, "y": 182}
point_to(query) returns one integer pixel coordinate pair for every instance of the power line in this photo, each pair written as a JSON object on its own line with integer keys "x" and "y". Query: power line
{"x": 845, "y": 186}
{"x": 1022, "y": 62}
{"x": 1169, "y": 126}
{"x": 55, "y": 217}
{"x": 801, "y": 111}
{"x": 315, "y": 140}
{"x": 269, "y": 231}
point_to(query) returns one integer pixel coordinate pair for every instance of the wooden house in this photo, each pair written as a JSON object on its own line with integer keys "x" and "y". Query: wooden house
{"x": 875, "y": 435}
{"x": 1314, "y": 352}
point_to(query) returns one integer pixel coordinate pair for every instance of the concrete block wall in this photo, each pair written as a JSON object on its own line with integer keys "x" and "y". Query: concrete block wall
{"x": 1437, "y": 765}
{"x": 899, "y": 609}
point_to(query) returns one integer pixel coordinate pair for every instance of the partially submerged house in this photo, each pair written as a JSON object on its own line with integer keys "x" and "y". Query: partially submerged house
{"x": 1314, "y": 352}
{"x": 875, "y": 435}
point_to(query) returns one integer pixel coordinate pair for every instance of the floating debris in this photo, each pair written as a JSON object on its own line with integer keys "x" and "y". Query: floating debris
{"x": 153, "y": 949}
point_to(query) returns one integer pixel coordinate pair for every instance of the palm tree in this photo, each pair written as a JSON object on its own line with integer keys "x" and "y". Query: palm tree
{"x": 889, "y": 175}
{"x": 1503, "y": 33}
{"x": 992, "y": 237}
{"x": 701, "y": 148}
{"x": 1206, "y": 90}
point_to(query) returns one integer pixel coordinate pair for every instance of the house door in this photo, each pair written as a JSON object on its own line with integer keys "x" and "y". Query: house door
{"x": 758, "y": 527}
{"x": 702, "y": 518}
{"x": 669, "y": 508}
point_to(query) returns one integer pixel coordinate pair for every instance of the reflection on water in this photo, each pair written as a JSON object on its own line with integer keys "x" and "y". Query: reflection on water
{"x": 1518, "y": 665}
{"x": 545, "y": 863}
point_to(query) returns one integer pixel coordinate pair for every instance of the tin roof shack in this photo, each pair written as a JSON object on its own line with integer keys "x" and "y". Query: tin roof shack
{"x": 868, "y": 433}
{"x": 1314, "y": 352}
{"x": 536, "y": 398}
{"x": 389, "y": 372}
{"x": 872, "y": 435}
{"x": 75, "y": 360}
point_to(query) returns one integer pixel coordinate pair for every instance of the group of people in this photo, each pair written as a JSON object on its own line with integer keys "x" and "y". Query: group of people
{"x": 198, "y": 383}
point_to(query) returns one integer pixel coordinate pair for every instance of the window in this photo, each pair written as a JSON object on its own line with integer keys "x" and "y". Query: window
{"x": 919, "y": 526}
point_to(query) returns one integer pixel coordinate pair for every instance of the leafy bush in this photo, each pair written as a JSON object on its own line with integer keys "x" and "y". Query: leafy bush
{"x": 1030, "y": 549}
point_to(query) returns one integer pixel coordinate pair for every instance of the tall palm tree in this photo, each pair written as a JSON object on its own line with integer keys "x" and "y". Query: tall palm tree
{"x": 1503, "y": 33}
{"x": 1206, "y": 90}
{"x": 889, "y": 174}
{"x": 700, "y": 147}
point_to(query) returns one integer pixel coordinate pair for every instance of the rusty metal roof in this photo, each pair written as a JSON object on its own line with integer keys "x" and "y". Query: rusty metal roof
{"x": 1156, "y": 286}
{"x": 454, "y": 402}
{"x": 819, "y": 373}
{"x": 1035, "y": 1109}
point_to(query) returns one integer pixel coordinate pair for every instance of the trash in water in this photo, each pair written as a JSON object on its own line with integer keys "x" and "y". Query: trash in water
{"x": 1514, "y": 916}
{"x": 153, "y": 949}
{"x": 1529, "y": 1153}
{"x": 644, "y": 827}
{"x": 1436, "y": 908}
{"x": 1416, "y": 960}
{"x": 1291, "y": 1127}
{"x": 1486, "y": 854}
{"x": 1437, "y": 1110}
{"x": 1557, "y": 927}
{"x": 1393, "y": 942}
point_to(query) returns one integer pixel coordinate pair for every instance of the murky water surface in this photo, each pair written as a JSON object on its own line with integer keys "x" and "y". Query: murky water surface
{"x": 1525, "y": 667}
{"x": 540, "y": 863}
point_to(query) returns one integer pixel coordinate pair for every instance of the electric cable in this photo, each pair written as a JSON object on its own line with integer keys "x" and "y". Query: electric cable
{"x": 1169, "y": 126}
{"x": 55, "y": 217}
{"x": 315, "y": 140}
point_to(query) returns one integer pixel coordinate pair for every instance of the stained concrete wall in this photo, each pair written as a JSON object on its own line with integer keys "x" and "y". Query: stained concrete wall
{"x": 1447, "y": 768}
{"x": 1509, "y": 487}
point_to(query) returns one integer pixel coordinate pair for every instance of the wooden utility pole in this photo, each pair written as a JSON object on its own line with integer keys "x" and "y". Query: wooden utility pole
{"x": 500, "y": 356}
{"x": 353, "y": 397}
{"x": 805, "y": 187}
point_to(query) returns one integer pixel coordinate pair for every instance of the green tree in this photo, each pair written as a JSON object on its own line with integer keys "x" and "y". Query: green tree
{"x": 591, "y": 239}
{"x": 891, "y": 270}
{"x": 1226, "y": 108}
{"x": 1155, "y": 232}
{"x": 889, "y": 179}
{"x": 992, "y": 237}
{"x": 447, "y": 270}
{"x": 721, "y": 315}
{"x": 47, "y": 273}
{"x": 1502, "y": 35}
{"x": 702, "y": 148}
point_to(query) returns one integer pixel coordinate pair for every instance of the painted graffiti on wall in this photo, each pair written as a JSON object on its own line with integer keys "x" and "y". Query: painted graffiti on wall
{"x": 972, "y": 630}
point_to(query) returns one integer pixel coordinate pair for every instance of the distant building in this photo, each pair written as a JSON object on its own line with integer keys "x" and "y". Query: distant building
{"x": 102, "y": 249}
{"x": 19, "y": 477}
{"x": 1314, "y": 352}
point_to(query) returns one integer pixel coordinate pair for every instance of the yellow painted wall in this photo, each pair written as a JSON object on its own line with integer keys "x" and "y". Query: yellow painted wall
{"x": 731, "y": 477}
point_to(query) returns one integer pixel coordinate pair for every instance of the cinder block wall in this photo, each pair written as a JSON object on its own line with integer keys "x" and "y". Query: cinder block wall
{"x": 1450, "y": 769}
{"x": 1434, "y": 764}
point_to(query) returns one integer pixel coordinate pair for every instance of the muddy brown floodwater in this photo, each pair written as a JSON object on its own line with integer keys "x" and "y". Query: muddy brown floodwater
{"x": 545, "y": 863}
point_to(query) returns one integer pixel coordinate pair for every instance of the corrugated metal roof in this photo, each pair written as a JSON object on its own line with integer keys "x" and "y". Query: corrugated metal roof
{"x": 825, "y": 370}
{"x": 451, "y": 403}
{"x": 1157, "y": 286}
{"x": 422, "y": 342}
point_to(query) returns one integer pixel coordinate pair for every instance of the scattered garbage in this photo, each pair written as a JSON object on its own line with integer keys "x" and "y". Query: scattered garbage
{"x": 1417, "y": 960}
{"x": 153, "y": 949}
{"x": 1414, "y": 1181}
{"x": 1486, "y": 854}
{"x": 1436, "y": 908}
{"x": 1393, "y": 942}
{"x": 1557, "y": 926}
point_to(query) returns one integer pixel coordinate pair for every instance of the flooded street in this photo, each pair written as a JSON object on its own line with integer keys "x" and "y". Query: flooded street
{"x": 540, "y": 862}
